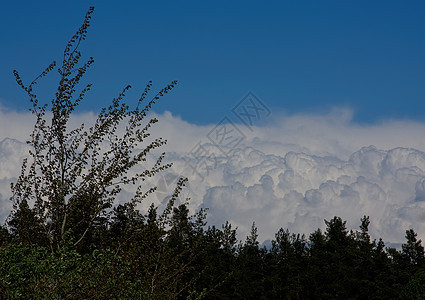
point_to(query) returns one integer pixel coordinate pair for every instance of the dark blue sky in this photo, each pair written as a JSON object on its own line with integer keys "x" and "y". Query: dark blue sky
{"x": 296, "y": 56}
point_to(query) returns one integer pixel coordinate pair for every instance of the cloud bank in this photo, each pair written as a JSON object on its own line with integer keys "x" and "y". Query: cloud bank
{"x": 291, "y": 172}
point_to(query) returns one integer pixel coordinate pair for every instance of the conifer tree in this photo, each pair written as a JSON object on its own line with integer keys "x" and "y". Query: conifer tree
{"x": 413, "y": 249}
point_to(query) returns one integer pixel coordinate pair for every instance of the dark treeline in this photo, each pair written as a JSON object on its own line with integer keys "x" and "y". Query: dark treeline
{"x": 132, "y": 255}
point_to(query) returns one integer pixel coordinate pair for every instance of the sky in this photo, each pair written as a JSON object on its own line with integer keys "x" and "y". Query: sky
{"x": 297, "y": 56}
{"x": 324, "y": 99}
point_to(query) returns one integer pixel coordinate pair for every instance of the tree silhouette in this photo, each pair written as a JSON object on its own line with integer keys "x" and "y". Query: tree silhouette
{"x": 74, "y": 174}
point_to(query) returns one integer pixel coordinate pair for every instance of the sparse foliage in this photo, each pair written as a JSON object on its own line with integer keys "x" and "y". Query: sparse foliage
{"x": 74, "y": 169}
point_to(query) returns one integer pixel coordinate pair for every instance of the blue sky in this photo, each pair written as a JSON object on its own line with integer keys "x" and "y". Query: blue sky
{"x": 296, "y": 56}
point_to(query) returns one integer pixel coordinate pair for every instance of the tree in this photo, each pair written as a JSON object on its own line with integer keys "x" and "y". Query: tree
{"x": 336, "y": 234}
{"x": 73, "y": 174}
{"x": 216, "y": 261}
{"x": 415, "y": 289}
{"x": 26, "y": 225}
{"x": 413, "y": 250}
{"x": 249, "y": 268}
{"x": 333, "y": 257}
{"x": 289, "y": 255}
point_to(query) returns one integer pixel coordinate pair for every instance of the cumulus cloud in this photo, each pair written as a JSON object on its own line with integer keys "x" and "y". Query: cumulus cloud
{"x": 298, "y": 191}
{"x": 293, "y": 172}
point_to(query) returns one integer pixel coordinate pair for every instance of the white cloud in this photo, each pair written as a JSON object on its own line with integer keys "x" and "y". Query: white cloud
{"x": 293, "y": 172}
